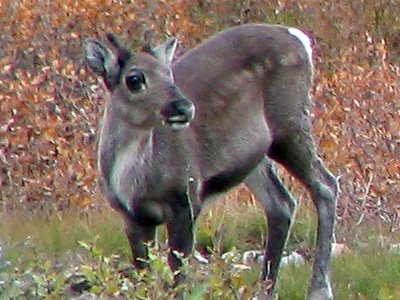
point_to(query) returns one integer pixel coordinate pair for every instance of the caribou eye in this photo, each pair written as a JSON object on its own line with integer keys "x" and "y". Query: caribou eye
{"x": 135, "y": 81}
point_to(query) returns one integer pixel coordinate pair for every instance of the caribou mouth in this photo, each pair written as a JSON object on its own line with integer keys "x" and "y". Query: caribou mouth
{"x": 177, "y": 122}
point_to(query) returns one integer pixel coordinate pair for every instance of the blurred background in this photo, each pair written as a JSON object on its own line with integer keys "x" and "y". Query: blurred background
{"x": 50, "y": 104}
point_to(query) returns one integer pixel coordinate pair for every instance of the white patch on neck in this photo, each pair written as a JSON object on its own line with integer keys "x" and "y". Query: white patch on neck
{"x": 303, "y": 38}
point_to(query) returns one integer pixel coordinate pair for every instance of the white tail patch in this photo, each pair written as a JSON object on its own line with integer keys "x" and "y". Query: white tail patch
{"x": 303, "y": 38}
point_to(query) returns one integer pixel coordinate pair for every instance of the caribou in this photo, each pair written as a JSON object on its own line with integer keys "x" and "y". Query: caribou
{"x": 176, "y": 132}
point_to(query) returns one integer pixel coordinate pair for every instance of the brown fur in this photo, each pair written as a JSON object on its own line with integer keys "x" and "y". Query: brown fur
{"x": 250, "y": 87}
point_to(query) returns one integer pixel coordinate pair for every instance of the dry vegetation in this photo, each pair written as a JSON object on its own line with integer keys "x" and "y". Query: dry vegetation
{"x": 50, "y": 104}
{"x": 50, "y": 107}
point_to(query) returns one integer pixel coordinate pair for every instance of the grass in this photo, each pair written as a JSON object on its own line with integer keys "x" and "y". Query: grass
{"x": 42, "y": 255}
{"x": 364, "y": 275}
{"x": 368, "y": 275}
{"x": 57, "y": 235}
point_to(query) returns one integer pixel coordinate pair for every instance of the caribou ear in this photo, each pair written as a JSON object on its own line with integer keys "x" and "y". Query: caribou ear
{"x": 102, "y": 62}
{"x": 98, "y": 56}
{"x": 166, "y": 51}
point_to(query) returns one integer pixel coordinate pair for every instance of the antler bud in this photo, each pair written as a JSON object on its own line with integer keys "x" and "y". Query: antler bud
{"x": 148, "y": 38}
{"x": 123, "y": 54}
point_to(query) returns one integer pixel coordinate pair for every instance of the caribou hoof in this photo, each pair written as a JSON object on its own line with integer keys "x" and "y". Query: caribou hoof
{"x": 320, "y": 294}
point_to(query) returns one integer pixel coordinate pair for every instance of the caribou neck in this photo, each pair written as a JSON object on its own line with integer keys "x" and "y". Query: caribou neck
{"x": 122, "y": 137}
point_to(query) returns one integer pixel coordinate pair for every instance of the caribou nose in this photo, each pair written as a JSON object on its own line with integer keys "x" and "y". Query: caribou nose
{"x": 178, "y": 114}
{"x": 184, "y": 107}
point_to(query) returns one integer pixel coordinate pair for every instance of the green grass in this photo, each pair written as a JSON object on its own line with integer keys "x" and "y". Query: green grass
{"x": 28, "y": 236}
{"x": 372, "y": 273}
{"x": 223, "y": 227}
{"x": 44, "y": 255}
{"x": 367, "y": 274}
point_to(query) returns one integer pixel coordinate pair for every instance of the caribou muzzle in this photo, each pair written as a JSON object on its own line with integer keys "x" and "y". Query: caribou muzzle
{"x": 178, "y": 114}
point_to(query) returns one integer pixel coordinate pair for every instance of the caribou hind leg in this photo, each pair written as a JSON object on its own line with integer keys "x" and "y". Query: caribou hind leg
{"x": 296, "y": 152}
{"x": 280, "y": 208}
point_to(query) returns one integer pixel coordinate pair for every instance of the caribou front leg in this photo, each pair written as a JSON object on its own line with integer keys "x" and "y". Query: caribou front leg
{"x": 180, "y": 236}
{"x": 139, "y": 237}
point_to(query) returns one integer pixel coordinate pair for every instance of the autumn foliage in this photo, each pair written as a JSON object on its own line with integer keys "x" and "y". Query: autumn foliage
{"x": 51, "y": 105}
